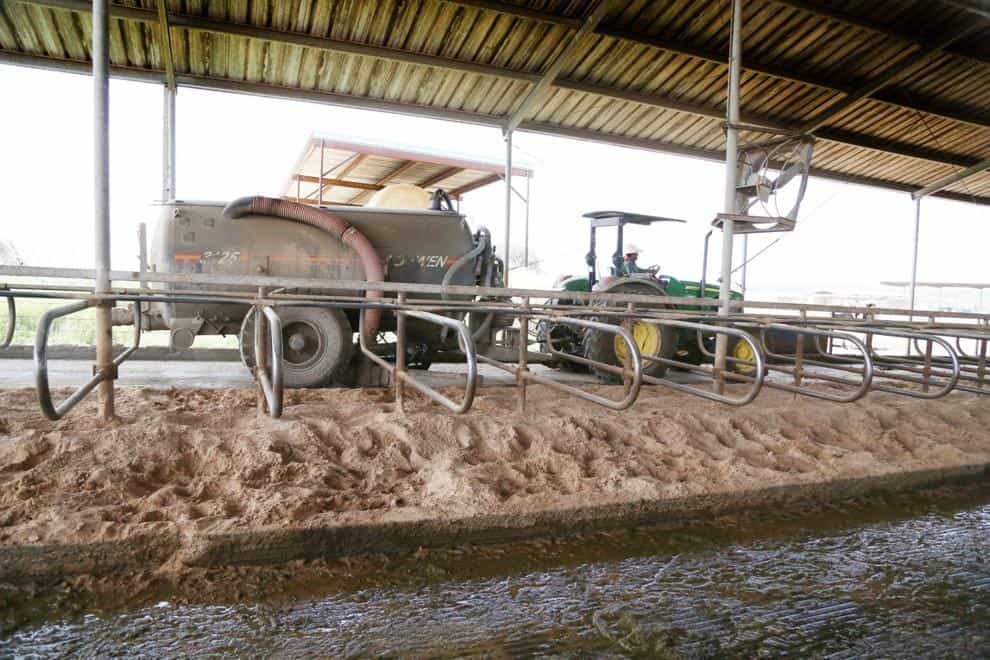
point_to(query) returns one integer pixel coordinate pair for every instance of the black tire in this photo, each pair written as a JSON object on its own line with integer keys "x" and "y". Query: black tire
{"x": 600, "y": 347}
{"x": 317, "y": 344}
{"x": 783, "y": 342}
{"x": 566, "y": 339}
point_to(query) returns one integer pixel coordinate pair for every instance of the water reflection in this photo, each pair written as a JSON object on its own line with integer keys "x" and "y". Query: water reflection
{"x": 917, "y": 586}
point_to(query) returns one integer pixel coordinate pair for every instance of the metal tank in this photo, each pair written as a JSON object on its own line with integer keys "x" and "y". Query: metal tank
{"x": 418, "y": 246}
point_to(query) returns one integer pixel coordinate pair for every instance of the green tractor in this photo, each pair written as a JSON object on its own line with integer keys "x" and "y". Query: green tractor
{"x": 651, "y": 339}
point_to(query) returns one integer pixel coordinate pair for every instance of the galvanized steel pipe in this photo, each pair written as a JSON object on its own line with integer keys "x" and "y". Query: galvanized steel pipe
{"x": 101, "y": 197}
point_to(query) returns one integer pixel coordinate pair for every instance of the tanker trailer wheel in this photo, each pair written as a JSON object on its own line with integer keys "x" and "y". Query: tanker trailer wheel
{"x": 316, "y": 344}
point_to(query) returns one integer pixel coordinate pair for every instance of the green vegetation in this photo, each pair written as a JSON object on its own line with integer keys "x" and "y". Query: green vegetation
{"x": 79, "y": 329}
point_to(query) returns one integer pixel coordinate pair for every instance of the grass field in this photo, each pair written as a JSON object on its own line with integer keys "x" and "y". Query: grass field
{"x": 79, "y": 329}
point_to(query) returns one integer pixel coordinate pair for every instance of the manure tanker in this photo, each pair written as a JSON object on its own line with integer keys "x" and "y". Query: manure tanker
{"x": 265, "y": 236}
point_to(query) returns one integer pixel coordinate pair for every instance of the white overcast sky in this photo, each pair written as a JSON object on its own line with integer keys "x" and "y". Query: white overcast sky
{"x": 849, "y": 238}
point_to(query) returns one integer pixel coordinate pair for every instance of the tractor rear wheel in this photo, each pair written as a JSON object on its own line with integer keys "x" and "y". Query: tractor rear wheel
{"x": 652, "y": 341}
{"x": 744, "y": 357}
{"x": 316, "y": 345}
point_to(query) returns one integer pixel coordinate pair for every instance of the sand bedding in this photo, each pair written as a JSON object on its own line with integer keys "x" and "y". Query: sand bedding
{"x": 202, "y": 461}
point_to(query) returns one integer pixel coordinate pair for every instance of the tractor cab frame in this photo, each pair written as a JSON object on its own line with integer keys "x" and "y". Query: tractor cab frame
{"x": 617, "y": 219}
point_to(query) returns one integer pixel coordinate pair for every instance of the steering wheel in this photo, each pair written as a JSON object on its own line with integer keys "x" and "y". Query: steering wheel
{"x": 653, "y": 270}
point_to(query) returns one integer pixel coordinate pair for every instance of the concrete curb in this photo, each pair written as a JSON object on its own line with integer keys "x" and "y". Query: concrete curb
{"x": 273, "y": 545}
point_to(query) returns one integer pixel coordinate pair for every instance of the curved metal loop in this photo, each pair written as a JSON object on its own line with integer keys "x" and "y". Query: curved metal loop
{"x": 271, "y": 385}
{"x": 466, "y": 343}
{"x": 912, "y": 364}
{"x": 866, "y": 370}
{"x": 635, "y": 359}
{"x": 138, "y": 327}
{"x": 11, "y": 322}
{"x": 52, "y": 411}
{"x": 758, "y": 364}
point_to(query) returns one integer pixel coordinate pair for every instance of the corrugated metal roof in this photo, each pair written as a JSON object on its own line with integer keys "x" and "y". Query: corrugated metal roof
{"x": 897, "y": 92}
{"x": 350, "y": 170}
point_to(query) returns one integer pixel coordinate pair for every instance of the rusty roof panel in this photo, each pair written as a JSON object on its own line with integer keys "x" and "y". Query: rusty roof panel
{"x": 803, "y": 57}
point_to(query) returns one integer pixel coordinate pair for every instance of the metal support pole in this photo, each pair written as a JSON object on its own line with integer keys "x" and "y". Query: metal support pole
{"x": 914, "y": 261}
{"x": 322, "y": 152}
{"x": 523, "y": 367}
{"x": 729, "y": 201}
{"x": 400, "y": 355}
{"x": 914, "y": 257}
{"x": 143, "y": 251}
{"x": 526, "y": 225}
{"x": 508, "y": 201}
{"x": 168, "y": 144}
{"x": 101, "y": 197}
{"x": 745, "y": 259}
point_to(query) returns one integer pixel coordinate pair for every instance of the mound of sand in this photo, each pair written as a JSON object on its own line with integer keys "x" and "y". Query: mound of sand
{"x": 203, "y": 461}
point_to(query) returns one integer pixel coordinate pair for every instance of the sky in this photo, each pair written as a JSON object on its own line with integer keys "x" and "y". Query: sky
{"x": 849, "y": 238}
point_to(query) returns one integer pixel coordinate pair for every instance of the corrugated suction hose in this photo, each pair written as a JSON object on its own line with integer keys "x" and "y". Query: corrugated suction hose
{"x": 332, "y": 224}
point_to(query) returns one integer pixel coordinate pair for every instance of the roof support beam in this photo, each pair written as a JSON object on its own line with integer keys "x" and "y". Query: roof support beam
{"x": 772, "y": 70}
{"x": 348, "y": 167}
{"x": 291, "y": 38}
{"x": 165, "y": 37}
{"x": 934, "y": 187}
{"x": 981, "y": 11}
{"x": 330, "y": 98}
{"x": 306, "y": 178}
{"x": 397, "y": 172}
{"x": 440, "y": 176}
{"x": 849, "y": 138}
{"x": 550, "y": 74}
{"x": 899, "y": 69}
{"x": 364, "y": 50}
{"x": 480, "y": 183}
{"x": 853, "y": 20}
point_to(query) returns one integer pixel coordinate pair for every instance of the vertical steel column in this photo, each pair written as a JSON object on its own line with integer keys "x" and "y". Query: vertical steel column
{"x": 914, "y": 257}
{"x": 508, "y": 201}
{"x": 399, "y": 372}
{"x": 523, "y": 367}
{"x": 729, "y": 201}
{"x": 322, "y": 152}
{"x": 914, "y": 264}
{"x": 526, "y": 224}
{"x": 101, "y": 198}
{"x": 168, "y": 144}
{"x": 745, "y": 264}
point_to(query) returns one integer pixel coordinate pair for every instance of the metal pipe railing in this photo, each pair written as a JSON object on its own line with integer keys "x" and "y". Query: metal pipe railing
{"x": 8, "y": 337}
{"x": 304, "y": 283}
{"x": 402, "y": 376}
{"x": 932, "y": 370}
{"x": 798, "y": 372}
{"x": 632, "y": 374}
{"x": 56, "y": 411}
{"x": 272, "y": 388}
{"x": 893, "y": 367}
{"x": 755, "y": 380}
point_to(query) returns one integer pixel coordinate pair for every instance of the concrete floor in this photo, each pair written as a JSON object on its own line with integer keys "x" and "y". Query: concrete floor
{"x": 141, "y": 373}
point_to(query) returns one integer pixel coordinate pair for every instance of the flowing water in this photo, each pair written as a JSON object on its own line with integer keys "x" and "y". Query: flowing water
{"x": 893, "y": 578}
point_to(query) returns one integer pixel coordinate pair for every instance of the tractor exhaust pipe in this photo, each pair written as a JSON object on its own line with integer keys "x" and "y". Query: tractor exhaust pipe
{"x": 704, "y": 266}
{"x": 334, "y": 225}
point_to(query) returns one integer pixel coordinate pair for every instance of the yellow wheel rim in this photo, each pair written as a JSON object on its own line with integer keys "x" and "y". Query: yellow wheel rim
{"x": 744, "y": 352}
{"x": 648, "y": 340}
